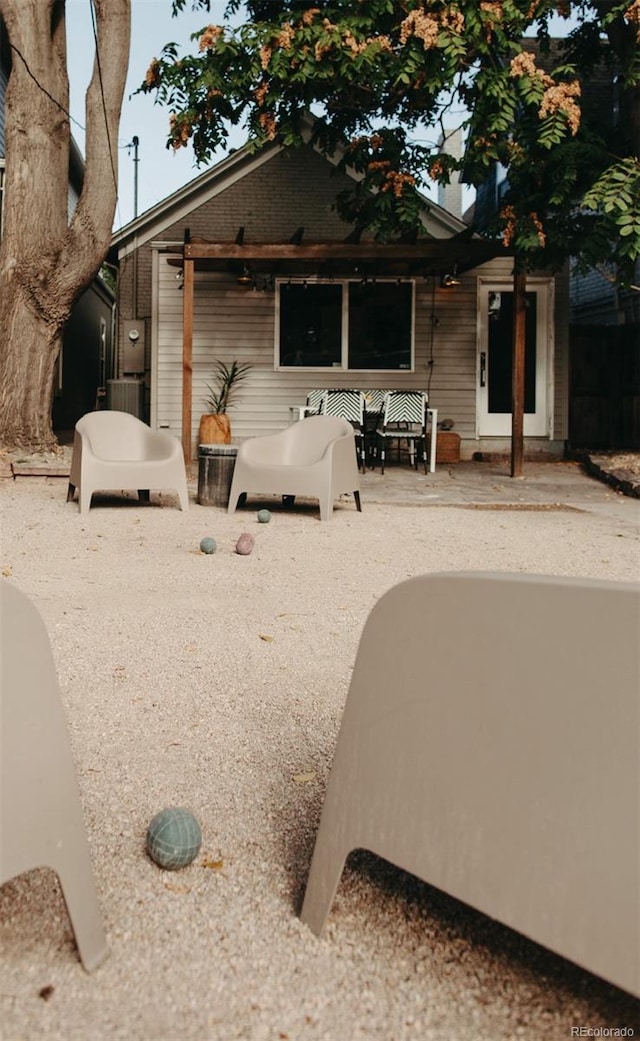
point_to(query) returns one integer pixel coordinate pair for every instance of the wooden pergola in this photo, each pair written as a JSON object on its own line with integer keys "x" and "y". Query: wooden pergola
{"x": 400, "y": 259}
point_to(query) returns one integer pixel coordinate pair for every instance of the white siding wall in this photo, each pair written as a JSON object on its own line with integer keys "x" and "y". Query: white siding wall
{"x": 453, "y": 337}
{"x": 232, "y": 322}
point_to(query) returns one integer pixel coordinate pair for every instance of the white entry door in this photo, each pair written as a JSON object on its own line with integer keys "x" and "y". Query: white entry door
{"x": 494, "y": 370}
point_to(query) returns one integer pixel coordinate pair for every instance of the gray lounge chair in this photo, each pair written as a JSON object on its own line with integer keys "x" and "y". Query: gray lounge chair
{"x": 114, "y": 451}
{"x": 41, "y": 821}
{"x": 489, "y": 745}
{"x": 315, "y": 457}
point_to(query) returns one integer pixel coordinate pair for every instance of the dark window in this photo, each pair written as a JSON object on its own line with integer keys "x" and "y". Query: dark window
{"x": 347, "y": 325}
{"x": 311, "y": 325}
{"x": 380, "y": 325}
{"x": 501, "y": 352}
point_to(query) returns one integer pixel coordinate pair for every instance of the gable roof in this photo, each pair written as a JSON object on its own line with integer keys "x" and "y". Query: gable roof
{"x": 438, "y": 223}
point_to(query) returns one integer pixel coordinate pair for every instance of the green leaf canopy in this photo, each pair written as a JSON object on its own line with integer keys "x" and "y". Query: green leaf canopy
{"x": 387, "y": 77}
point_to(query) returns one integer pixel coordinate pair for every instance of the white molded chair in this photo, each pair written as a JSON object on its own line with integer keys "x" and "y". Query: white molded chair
{"x": 114, "y": 451}
{"x": 315, "y": 457}
{"x": 41, "y": 821}
{"x": 489, "y": 745}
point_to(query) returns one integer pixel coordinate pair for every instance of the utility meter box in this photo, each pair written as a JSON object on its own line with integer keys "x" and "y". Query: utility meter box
{"x": 133, "y": 346}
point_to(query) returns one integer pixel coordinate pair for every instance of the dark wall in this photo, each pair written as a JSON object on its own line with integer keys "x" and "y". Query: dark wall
{"x": 604, "y": 388}
{"x": 87, "y": 361}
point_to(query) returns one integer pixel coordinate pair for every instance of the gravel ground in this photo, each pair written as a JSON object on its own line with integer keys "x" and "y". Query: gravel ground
{"x": 217, "y": 683}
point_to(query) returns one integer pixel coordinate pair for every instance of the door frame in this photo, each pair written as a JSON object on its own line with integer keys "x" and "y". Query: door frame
{"x": 540, "y": 424}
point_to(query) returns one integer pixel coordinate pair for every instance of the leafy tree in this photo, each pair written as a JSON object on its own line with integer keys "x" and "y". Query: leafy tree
{"x": 381, "y": 72}
{"x": 47, "y": 259}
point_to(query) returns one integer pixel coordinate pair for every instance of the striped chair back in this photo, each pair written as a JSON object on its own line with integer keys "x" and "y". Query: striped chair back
{"x": 314, "y": 398}
{"x": 405, "y": 406}
{"x": 375, "y": 400}
{"x": 348, "y": 404}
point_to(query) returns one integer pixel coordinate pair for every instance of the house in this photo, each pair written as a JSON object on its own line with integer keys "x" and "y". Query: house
{"x": 250, "y": 261}
{"x": 604, "y": 388}
{"x": 86, "y": 360}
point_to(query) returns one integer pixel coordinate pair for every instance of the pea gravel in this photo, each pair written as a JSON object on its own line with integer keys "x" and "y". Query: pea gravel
{"x": 216, "y": 683}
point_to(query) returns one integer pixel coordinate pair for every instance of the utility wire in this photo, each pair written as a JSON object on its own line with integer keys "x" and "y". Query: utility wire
{"x": 44, "y": 90}
{"x": 60, "y": 106}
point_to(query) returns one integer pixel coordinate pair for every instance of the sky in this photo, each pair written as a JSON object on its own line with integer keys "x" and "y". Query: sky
{"x": 160, "y": 171}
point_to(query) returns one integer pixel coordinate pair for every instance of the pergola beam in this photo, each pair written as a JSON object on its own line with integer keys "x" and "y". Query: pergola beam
{"x": 466, "y": 255}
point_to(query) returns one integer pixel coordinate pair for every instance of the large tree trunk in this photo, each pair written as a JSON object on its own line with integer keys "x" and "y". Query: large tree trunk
{"x": 27, "y": 368}
{"x": 45, "y": 260}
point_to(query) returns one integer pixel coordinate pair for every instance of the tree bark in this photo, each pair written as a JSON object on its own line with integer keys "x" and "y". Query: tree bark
{"x": 47, "y": 260}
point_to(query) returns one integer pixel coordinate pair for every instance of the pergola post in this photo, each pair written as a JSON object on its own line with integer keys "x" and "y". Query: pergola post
{"x": 517, "y": 377}
{"x": 187, "y": 357}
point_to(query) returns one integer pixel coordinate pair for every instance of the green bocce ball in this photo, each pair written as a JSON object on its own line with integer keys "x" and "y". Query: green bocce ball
{"x": 264, "y": 516}
{"x": 208, "y": 545}
{"x": 173, "y": 838}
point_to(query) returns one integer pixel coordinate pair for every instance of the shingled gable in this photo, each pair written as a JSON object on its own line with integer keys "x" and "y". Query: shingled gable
{"x": 178, "y": 207}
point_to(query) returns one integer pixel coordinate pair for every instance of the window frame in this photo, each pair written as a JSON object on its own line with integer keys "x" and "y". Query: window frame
{"x": 345, "y": 282}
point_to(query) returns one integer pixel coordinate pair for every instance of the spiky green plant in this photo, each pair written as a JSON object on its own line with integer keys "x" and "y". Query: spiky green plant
{"x": 225, "y": 383}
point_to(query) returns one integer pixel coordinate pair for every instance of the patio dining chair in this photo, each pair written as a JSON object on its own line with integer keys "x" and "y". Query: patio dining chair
{"x": 403, "y": 419}
{"x": 505, "y": 777}
{"x": 373, "y": 402}
{"x": 41, "y": 820}
{"x": 314, "y": 400}
{"x": 349, "y": 405}
{"x": 311, "y": 407}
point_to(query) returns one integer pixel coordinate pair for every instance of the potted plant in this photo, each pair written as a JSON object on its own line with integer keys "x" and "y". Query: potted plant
{"x": 215, "y": 427}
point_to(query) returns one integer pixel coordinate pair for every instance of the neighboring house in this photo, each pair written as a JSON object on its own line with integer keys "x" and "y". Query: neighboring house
{"x": 86, "y": 360}
{"x": 319, "y": 309}
{"x": 605, "y": 364}
{"x": 604, "y": 321}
